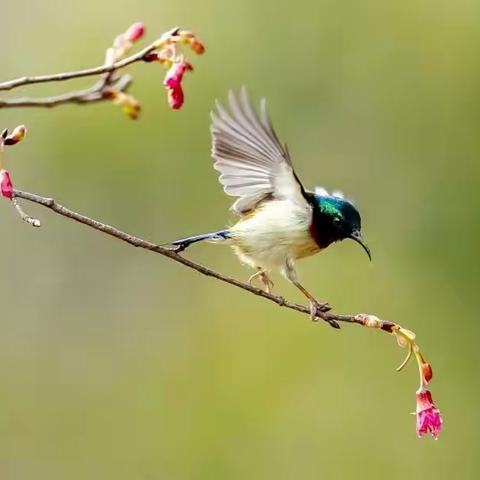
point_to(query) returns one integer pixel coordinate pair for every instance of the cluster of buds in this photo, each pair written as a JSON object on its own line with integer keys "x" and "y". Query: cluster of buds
{"x": 6, "y": 186}
{"x": 122, "y": 45}
{"x": 429, "y": 419}
{"x": 167, "y": 53}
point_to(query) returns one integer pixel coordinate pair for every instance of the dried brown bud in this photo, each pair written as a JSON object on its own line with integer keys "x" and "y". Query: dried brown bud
{"x": 16, "y": 136}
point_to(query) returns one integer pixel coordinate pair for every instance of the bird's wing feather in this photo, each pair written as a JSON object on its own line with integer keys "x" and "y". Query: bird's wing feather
{"x": 252, "y": 162}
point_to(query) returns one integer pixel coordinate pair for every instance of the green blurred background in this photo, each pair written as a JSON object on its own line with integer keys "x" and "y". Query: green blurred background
{"x": 118, "y": 364}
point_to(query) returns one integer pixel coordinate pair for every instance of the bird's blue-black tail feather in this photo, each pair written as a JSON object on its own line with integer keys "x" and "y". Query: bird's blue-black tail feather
{"x": 183, "y": 243}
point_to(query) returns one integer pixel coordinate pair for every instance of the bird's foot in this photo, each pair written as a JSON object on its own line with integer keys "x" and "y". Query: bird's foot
{"x": 268, "y": 284}
{"x": 264, "y": 278}
{"x": 317, "y": 308}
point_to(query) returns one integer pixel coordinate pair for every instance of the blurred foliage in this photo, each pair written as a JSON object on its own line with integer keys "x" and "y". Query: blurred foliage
{"x": 116, "y": 363}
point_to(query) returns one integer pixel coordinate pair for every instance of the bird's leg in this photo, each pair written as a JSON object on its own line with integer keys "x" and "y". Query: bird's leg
{"x": 262, "y": 275}
{"x": 267, "y": 282}
{"x": 253, "y": 277}
{"x": 316, "y": 307}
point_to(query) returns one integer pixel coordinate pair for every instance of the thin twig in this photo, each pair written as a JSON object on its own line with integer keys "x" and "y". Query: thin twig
{"x": 79, "y": 97}
{"x": 60, "y": 77}
{"x": 360, "y": 319}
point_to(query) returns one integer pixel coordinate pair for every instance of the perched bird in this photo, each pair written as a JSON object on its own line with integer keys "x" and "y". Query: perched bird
{"x": 280, "y": 221}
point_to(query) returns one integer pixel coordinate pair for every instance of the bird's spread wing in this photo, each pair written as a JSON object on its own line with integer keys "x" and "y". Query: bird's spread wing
{"x": 252, "y": 162}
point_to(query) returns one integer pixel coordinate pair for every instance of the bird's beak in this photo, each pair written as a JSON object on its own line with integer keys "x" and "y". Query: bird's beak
{"x": 357, "y": 236}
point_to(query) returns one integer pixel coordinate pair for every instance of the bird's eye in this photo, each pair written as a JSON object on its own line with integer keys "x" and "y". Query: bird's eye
{"x": 337, "y": 220}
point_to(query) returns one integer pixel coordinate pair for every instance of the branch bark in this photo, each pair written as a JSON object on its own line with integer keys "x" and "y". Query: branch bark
{"x": 50, "y": 203}
{"x": 78, "y": 97}
{"x": 88, "y": 72}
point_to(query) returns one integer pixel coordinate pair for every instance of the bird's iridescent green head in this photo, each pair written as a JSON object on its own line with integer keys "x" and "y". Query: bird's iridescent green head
{"x": 336, "y": 219}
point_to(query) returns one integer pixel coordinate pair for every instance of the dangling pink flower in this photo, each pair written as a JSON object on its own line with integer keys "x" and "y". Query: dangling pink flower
{"x": 173, "y": 83}
{"x": 429, "y": 419}
{"x": 6, "y": 187}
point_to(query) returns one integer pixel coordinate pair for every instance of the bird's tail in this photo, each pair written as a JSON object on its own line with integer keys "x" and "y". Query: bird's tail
{"x": 183, "y": 243}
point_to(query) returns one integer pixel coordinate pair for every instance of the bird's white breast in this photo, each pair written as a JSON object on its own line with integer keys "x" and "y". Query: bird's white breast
{"x": 278, "y": 230}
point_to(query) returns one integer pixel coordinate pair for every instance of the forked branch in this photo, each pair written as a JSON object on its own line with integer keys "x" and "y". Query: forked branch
{"x": 111, "y": 86}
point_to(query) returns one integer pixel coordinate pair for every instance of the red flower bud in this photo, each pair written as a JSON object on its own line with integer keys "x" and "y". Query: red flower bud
{"x": 6, "y": 187}
{"x": 197, "y": 46}
{"x": 429, "y": 419}
{"x": 135, "y": 32}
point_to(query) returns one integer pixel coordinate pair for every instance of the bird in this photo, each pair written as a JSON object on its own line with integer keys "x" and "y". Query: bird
{"x": 280, "y": 221}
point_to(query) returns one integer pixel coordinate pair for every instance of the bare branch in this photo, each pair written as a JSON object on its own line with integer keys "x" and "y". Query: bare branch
{"x": 60, "y": 77}
{"x": 360, "y": 319}
{"x": 79, "y": 97}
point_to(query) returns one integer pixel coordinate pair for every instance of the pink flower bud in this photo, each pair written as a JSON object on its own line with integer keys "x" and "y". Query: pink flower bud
{"x": 429, "y": 419}
{"x": 173, "y": 83}
{"x": 6, "y": 187}
{"x": 16, "y": 136}
{"x": 135, "y": 32}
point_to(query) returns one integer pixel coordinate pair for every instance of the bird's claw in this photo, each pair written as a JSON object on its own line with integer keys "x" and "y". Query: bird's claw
{"x": 267, "y": 283}
{"x": 317, "y": 308}
{"x": 264, "y": 278}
